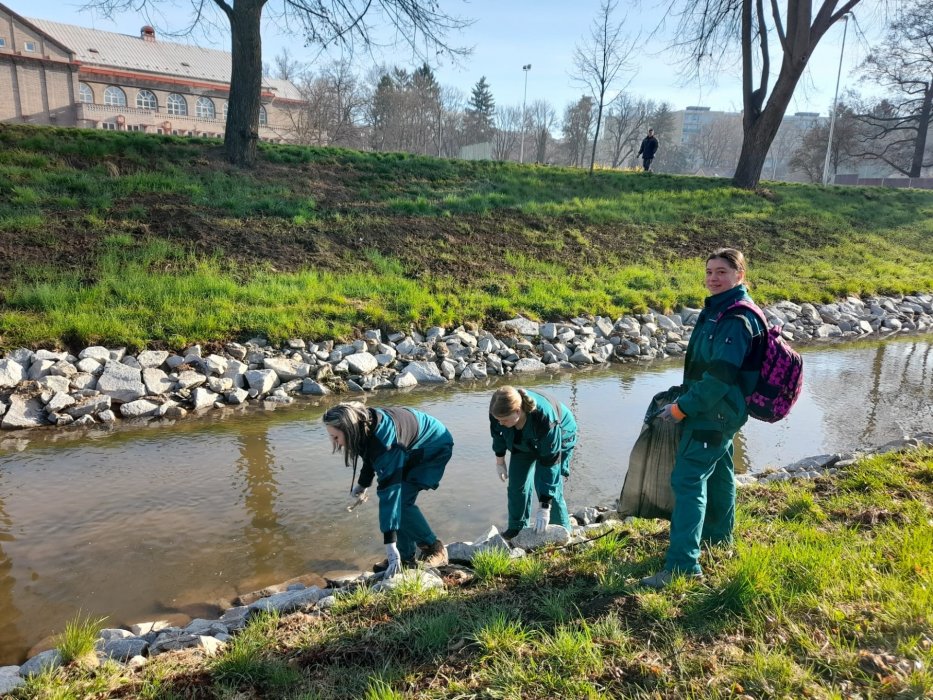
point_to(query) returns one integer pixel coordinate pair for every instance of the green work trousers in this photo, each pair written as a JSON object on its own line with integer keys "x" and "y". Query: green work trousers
{"x": 524, "y": 474}
{"x": 703, "y": 482}
{"x": 413, "y": 528}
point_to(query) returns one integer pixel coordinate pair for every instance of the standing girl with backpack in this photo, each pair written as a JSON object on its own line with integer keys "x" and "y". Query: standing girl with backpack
{"x": 407, "y": 451}
{"x": 540, "y": 433}
{"x": 720, "y": 370}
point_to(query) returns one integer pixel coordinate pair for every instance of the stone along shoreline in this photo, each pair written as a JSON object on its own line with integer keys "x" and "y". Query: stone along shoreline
{"x": 104, "y": 385}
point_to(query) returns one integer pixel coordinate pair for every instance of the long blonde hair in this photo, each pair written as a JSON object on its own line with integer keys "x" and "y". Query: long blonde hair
{"x": 508, "y": 399}
{"x": 353, "y": 420}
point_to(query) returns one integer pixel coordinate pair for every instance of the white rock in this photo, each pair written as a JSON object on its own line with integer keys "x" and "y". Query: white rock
{"x": 121, "y": 383}
{"x": 54, "y": 383}
{"x": 96, "y": 352}
{"x": 91, "y": 365}
{"x": 150, "y": 359}
{"x": 423, "y": 372}
{"x": 528, "y": 364}
{"x": 284, "y": 369}
{"x": 362, "y": 363}
{"x": 203, "y": 398}
{"x": 59, "y": 401}
{"x": 405, "y": 380}
{"x": 141, "y": 408}
{"x": 156, "y": 381}
{"x": 262, "y": 380}
{"x": 23, "y": 413}
{"x": 521, "y": 325}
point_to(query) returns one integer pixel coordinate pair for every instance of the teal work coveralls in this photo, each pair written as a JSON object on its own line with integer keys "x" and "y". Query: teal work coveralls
{"x": 540, "y": 455}
{"x": 408, "y": 452}
{"x": 716, "y": 380}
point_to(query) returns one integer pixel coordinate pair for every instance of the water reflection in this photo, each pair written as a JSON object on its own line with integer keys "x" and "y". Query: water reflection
{"x": 9, "y": 614}
{"x": 144, "y": 522}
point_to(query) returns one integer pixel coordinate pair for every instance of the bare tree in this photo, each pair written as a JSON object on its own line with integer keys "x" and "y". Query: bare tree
{"x": 714, "y": 28}
{"x": 422, "y": 25}
{"x": 508, "y": 123}
{"x": 542, "y": 118}
{"x": 333, "y": 104}
{"x": 626, "y": 122}
{"x": 716, "y": 145}
{"x": 810, "y": 156}
{"x": 782, "y": 149}
{"x": 896, "y": 130}
{"x": 600, "y": 61}
{"x": 284, "y": 67}
{"x": 452, "y": 134}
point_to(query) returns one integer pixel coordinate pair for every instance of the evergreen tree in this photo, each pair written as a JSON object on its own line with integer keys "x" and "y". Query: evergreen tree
{"x": 480, "y": 112}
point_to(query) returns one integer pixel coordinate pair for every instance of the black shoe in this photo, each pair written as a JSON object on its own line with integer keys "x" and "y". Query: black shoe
{"x": 509, "y": 534}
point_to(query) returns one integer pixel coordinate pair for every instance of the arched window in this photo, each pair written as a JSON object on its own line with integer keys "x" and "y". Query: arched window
{"x": 226, "y": 107}
{"x": 204, "y": 109}
{"x": 114, "y": 96}
{"x": 85, "y": 94}
{"x": 176, "y": 105}
{"x": 263, "y": 119}
{"x": 146, "y": 100}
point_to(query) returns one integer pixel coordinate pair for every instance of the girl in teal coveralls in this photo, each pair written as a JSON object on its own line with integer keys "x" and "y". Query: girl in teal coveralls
{"x": 407, "y": 451}
{"x": 541, "y": 434}
{"x": 712, "y": 408}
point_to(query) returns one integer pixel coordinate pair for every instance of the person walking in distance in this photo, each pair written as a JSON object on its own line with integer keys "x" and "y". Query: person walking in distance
{"x": 407, "y": 451}
{"x": 649, "y": 146}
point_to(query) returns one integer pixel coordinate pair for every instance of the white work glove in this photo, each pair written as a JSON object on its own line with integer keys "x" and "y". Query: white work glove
{"x": 667, "y": 414}
{"x": 542, "y": 519}
{"x": 360, "y": 494}
{"x": 394, "y": 559}
{"x": 503, "y": 471}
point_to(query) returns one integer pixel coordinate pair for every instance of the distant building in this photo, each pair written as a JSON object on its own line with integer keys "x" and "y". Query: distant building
{"x": 65, "y": 75}
{"x": 688, "y": 123}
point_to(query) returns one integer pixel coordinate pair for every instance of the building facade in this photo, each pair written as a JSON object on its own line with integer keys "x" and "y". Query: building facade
{"x": 65, "y": 75}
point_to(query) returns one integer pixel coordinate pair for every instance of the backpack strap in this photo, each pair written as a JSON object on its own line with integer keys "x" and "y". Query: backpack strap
{"x": 756, "y": 350}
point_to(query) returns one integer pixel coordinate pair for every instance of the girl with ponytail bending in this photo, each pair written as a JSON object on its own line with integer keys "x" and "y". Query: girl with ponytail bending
{"x": 540, "y": 433}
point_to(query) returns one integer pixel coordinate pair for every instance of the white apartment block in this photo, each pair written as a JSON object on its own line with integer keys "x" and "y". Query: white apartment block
{"x": 65, "y": 75}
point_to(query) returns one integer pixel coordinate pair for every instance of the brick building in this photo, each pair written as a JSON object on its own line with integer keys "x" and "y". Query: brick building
{"x": 65, "y": 75}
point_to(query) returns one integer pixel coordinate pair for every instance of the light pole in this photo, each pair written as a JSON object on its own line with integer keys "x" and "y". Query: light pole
{"x": 521, "y": 148}
{"x": 832, "y": 117}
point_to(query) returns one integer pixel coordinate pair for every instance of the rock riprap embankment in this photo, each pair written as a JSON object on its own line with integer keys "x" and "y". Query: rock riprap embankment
{"x": 100, "y": 384}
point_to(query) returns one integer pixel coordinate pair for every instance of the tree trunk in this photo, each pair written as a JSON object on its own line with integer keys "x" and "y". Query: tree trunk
{"x": 923, "y": 128}
{"x": 599, "y": 121}
{"x": 760, "y": 129}
{"x": 242, "y": 131}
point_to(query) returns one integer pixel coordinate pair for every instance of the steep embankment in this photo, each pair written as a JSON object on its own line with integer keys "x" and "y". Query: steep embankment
{"x": 147, "y": 240}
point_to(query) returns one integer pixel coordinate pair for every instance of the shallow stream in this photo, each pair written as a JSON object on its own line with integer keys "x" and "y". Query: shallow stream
{"x": 172, "y": 521}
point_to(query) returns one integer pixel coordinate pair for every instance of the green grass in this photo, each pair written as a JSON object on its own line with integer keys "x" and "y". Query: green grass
{"x": 249, "y": 660}
{"x": 79, "y": 638}
{"x": 135, "y": 239}
{"x": 831, "y": 606}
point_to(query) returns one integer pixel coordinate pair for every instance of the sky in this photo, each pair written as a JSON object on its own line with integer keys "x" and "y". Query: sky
{"x": 508, "y": 34}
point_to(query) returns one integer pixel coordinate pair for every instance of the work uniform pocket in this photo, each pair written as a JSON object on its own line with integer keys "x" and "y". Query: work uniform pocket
{"x": 709, "y": 439}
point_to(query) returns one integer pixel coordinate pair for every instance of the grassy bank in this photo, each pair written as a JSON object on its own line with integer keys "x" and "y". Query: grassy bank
{"x": 139, "y": 239}
{"x": 827, "y": 593}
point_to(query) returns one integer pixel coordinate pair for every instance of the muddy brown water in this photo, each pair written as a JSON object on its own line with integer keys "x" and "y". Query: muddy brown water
{"x": 173, "y": 521}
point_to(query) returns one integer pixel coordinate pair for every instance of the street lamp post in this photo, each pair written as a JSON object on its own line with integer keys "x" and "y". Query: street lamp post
{"x": 521, "y": 148}
{"x": 832, "y": 117}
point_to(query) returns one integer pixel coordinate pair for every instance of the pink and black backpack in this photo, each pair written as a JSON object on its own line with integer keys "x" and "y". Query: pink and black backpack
{"x": 780, "y": 370}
